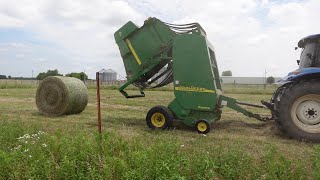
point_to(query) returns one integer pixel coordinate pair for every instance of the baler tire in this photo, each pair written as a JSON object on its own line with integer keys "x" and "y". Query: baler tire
{"x": 203, "y": 126}
{"x": 297, "y": 110}
{"x": 159, "y": 117}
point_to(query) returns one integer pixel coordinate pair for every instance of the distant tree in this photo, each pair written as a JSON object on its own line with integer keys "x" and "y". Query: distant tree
{"x": 82, "y": 76}
{"x": 3, "y": 77}
{"x": 43, "y": 75}
{"x": 270, "y": 80}
{"x": 227, "y": 73}
{"x": 9, "y": 77}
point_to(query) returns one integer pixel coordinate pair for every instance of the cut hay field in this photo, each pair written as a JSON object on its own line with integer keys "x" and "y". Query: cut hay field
{"x": 33, "y": 146}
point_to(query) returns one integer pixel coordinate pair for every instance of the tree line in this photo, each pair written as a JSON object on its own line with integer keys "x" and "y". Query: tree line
{"x": 80, "y": 75}
{"x": 9, "y": 77}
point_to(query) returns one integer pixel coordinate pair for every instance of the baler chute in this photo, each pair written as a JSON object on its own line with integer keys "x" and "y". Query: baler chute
{"x": 189, "y": 62}
{"x": 145, "y": 51}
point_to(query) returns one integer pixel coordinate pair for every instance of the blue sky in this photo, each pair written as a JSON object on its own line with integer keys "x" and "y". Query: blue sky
{"x": 22, "y": 52}
{"x": 249, "y": 36}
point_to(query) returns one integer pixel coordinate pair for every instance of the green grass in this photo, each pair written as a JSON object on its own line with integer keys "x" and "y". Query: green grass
{"x": 237, "y": 147}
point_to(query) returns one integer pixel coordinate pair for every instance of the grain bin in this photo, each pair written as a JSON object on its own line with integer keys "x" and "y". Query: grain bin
{"x": 58, "y": 95}
{"x": 107, "y": 75}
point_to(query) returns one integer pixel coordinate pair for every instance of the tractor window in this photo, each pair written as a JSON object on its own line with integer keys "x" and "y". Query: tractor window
{"x": 309, "y": 56}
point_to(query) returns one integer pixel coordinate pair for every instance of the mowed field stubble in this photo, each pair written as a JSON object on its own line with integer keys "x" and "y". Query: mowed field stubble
{"x": 68, "y": 147}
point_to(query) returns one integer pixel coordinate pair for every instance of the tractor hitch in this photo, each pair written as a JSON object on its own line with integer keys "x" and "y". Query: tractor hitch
{"x": 262, "y": 118}
{"x": 235, "y": 105}
{"x": 265, "y": 105}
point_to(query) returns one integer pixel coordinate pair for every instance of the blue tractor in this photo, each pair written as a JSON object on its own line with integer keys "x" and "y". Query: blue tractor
{"x": 295, "y": 105}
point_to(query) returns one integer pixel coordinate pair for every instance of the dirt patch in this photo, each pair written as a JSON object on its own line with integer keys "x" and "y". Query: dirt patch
{"x": 118, "y": 106}
{"x": 268, "y": 128}
{"x": 15, "y": 100}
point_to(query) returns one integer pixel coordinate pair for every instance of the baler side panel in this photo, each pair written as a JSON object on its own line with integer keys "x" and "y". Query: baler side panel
{"x": 194, "y": 81}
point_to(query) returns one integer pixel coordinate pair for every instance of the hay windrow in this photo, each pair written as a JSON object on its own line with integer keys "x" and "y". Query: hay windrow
{"x": 58, "y": 95}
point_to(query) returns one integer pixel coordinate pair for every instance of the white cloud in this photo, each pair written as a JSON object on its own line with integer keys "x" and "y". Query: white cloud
{"x": 82, "y": 29}
{"x": 248, "y": 35}
{"x": 7, "y": 21}
{"x": 3, "y": 49}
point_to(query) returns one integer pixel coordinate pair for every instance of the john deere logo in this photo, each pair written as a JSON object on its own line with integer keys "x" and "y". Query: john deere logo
{"x": 120, "y": 33}
{"x": 193, "y": 89}
{"x": 201, "y": 107}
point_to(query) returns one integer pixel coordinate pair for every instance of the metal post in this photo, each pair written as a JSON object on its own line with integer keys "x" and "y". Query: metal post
{"x": 98, "y": 99}
{"x": 265, "y": 79}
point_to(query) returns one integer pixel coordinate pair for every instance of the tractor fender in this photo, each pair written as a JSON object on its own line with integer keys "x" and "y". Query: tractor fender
{"x": 304, "y": 73}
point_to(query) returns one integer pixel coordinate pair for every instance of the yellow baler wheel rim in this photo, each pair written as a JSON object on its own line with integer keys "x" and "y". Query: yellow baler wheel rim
{"x": 202, "y": 127}
{"x": 158, "y": 120}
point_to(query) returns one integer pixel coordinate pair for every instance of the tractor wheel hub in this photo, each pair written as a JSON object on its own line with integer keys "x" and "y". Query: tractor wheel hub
{"x": 308, "y": 112}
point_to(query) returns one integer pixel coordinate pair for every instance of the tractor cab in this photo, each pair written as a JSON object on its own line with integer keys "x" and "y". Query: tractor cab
{"x": 310, "y": 55}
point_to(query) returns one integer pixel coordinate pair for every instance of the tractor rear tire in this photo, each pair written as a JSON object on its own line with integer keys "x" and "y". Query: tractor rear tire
{"x": 159, "y": 117}
{"x": 298, "y": 110}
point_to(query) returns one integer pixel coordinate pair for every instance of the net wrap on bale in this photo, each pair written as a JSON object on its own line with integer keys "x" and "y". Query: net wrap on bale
{"x": 58, "y": 95}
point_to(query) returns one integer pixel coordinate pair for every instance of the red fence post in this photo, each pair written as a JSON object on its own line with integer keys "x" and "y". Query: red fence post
{"x": 98, "y": 99}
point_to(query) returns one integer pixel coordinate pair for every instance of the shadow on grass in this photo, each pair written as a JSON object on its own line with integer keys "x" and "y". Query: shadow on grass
{"x": 39, "y": 114}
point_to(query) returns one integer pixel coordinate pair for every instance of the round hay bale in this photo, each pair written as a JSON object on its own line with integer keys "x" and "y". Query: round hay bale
{"x": 58, "y": 95}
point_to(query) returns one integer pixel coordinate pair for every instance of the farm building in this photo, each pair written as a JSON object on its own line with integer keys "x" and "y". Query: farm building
{"x": 107, "y": 75}
{"x": 245, "y": 80}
